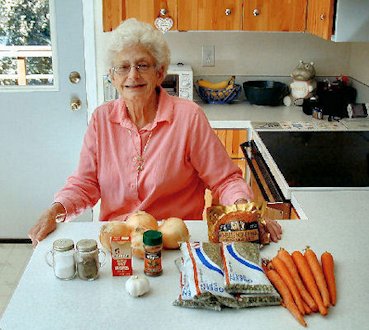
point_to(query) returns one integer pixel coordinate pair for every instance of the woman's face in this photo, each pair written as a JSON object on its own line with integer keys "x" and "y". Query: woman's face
{"x": 135, "y": 75}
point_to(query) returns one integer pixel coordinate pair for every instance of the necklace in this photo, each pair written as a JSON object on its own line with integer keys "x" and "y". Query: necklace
{"x": 139, "y": 159}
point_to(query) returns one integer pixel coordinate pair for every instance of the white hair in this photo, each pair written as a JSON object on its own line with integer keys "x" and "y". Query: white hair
{"x": 132, "y": 32}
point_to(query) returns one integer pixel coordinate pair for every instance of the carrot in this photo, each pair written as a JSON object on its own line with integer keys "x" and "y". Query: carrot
{"x": 288, "y": 261}
{"x": 317, "y": 271}
{"x": 328, "y": 270}
{"x": 282, "y": 288}
{"x": 308, "y": 278}
{"x": 308, "y": 310}
{"x": 283, "y": 272}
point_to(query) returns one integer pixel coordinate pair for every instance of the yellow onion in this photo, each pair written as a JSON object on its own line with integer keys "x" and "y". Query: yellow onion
{"x": 137, "y": 242}
{"x": 174, "y": 231}
{"x": 111, "y": 229}
{"x": 142, "y": 219}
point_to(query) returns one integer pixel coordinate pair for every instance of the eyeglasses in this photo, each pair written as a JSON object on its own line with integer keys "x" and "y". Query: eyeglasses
{"x": 125, "y": 69}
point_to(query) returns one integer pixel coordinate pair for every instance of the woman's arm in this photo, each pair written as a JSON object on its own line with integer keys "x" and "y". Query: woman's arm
{"x": 213, "y": 164}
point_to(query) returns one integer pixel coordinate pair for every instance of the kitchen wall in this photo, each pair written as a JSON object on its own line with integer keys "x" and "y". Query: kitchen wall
{"x": 254, "y": 53}
{"x": 359, "y": 61}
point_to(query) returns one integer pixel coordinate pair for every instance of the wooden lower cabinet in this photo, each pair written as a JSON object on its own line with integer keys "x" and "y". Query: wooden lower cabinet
{"x": 231, "y": 139}
{"x": 294, "y": 215}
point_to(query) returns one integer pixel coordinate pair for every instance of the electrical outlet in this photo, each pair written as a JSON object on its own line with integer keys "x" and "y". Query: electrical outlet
{"x": 208, "y": 55}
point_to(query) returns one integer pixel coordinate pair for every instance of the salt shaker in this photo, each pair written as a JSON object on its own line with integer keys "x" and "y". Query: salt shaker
{"x": 87, "y": 259}
{"x": 61, "y": 259}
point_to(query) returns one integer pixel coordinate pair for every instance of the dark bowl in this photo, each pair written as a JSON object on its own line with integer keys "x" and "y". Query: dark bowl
{"x": 265, "y": 92}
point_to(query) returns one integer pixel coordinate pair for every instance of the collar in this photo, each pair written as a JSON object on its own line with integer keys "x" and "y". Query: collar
{"x": 165, "y": 113}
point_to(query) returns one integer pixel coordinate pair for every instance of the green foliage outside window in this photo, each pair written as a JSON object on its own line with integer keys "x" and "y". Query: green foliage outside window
{"x": 25, "y": 23}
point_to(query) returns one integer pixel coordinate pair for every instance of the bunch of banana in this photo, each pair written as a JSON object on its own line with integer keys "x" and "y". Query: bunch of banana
{"x": 228, "y": 83}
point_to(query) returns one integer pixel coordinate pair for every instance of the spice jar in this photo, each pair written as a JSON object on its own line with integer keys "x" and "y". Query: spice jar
{"x": 61, "y": 259}
{"x": 87, "y": 259}
{"x": 153, "y": 243}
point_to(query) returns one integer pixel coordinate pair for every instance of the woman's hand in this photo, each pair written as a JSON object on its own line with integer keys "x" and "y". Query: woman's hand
{"x": 271, "y": 226}
{"x": 274, "y": 229}
{"x": 46, "y": 223}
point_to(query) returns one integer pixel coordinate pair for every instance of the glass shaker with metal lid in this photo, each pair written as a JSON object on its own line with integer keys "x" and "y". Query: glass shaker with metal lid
{"x": 88, "y": 259}
{"x": 61, "y": 259}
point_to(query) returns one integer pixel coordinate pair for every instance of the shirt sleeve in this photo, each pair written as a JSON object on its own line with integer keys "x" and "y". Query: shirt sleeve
{"x": 213, "y": 164}
{"x": 81, "y": 190}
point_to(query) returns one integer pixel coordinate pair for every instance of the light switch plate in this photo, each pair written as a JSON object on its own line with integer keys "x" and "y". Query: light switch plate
{"x": 208, "y": 55}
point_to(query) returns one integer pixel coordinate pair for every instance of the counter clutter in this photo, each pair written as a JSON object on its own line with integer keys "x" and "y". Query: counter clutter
{"x": 336, "y": 220}
{"x": 226, "y": 272}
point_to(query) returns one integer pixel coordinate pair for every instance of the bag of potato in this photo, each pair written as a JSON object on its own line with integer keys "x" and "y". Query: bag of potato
{"x": 236, "y": 223}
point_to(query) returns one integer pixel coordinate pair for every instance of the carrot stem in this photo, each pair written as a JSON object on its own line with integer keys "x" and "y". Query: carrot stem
{"x": 328, "y": 271}
{"x": 308, "y": 279}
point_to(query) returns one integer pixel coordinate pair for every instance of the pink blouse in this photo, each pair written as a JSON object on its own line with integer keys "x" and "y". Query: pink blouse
{"x": 182, "y": 157}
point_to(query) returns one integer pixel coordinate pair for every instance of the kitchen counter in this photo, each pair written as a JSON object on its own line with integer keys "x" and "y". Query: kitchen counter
{"x": 337, "y": 221}
{"x": 241, "y": 115}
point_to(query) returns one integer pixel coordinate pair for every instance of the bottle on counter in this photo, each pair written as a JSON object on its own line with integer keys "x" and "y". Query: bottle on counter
{"x": 61, "y": 259}
{"x": 153, "y": 244}
{"x": 87, "y": 259}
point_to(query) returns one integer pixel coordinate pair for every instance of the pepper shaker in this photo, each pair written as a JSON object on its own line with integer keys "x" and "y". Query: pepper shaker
{"x": 87, "y": 259}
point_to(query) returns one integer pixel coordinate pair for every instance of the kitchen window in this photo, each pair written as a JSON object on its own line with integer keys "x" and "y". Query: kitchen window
{"x": 25, "y": 44}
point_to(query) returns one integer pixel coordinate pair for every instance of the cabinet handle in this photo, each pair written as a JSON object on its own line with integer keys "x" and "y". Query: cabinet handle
{"x": 322, "y": 17}
{"x": 256, "y": 12}
{"x": 163, "y": 11}
{"x": 228, "y": 12}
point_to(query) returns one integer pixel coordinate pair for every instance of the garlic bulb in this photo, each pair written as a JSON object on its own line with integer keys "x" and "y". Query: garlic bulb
{"x": 137, "y": 285}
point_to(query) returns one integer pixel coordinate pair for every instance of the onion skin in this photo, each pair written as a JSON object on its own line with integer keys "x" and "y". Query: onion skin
{"x": 137, "y": 242}
{"x": 141, "y": 219}
{"x": 112, "y": 229}
{"x": 174, "y": 231}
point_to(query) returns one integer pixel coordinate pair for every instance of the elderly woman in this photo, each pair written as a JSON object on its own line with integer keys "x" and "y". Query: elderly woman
{"x": 146, "y": 150}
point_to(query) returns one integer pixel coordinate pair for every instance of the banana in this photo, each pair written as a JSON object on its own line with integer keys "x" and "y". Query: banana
{"x": 217, "y": 85}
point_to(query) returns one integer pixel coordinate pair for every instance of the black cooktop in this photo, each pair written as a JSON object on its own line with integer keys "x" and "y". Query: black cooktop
{"x": 320, "y": 159}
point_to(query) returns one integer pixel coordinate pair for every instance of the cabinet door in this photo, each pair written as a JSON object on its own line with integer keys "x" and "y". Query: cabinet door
{"x": 114, "y": 11}
{"x": 209, "y": 15}
{"x": 231, "y": 139}
{"x": 320, "y": 18}
{"x": 274, "y": 15}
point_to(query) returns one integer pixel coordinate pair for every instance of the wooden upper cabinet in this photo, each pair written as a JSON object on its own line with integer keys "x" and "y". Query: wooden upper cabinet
{"x": 209, "y": 15}
{"x": 113, "y": 14}
{"x": 274, "y": 15}
{"x": 115, "y": 11}
{"x": 320, "y": 17}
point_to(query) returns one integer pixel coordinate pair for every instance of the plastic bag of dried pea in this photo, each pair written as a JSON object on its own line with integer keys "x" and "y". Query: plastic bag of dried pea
{"x": 242, "y": 267}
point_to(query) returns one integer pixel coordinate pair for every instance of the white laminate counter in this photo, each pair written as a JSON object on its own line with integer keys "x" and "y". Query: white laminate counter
{"x": 240, "y": 115}
{"x": 243, "y": 115}
{"x": 337, "y": 221}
